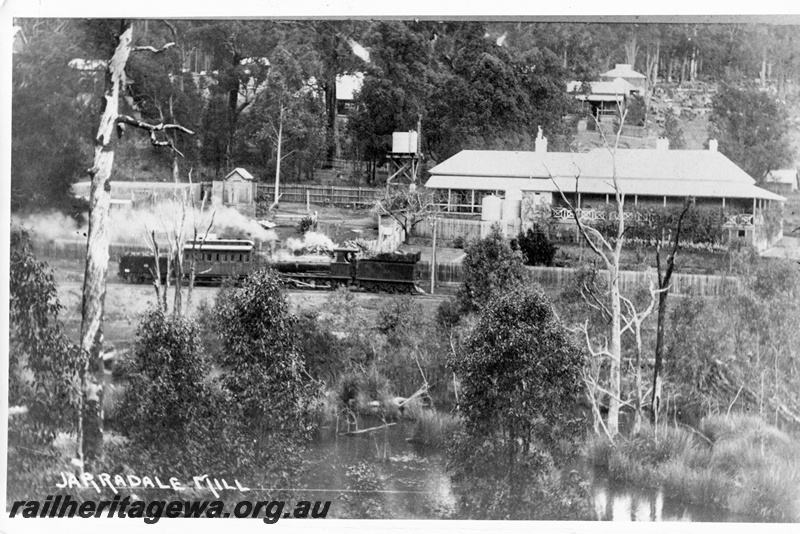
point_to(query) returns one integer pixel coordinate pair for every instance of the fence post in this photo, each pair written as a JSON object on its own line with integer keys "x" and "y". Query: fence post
{"x": 433, "y": 258}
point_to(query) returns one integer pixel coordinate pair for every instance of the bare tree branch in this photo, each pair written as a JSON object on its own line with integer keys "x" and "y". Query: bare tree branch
{"x": 152, "y": 48}
{"x": 152, "y": 128}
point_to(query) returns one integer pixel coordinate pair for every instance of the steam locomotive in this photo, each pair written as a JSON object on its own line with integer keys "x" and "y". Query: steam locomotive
{"x": 217, "y": 260}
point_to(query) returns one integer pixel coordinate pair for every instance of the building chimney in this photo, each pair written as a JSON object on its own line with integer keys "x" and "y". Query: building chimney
{"x": 662, "y": 143}
{"x": 541, "y": 142}
{"x": 713, "y": 145}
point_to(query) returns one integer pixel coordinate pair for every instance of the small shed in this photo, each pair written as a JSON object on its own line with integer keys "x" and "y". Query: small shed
{"x": 238, "y": 187}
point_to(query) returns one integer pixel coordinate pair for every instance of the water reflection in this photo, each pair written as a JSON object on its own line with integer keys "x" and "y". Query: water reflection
{"x": 620, "y": 502}
{"x": 411, "y": 483}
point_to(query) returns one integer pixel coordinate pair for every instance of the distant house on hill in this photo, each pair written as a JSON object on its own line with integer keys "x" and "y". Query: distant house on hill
{"x": 605, "y": 98}
{"x": 347, "y": 86}
{"x": 782, "y": 180}
{"x": 530, "y": 181}
{"x": 626, "y": 72}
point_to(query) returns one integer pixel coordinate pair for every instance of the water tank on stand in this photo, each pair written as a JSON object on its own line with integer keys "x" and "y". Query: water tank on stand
{"x": 491, "y": 208}
{"x": 512, "y": 205}
{"x": 404, "y": 142}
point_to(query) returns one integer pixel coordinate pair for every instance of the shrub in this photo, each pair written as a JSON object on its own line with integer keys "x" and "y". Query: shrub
{"x": 43, "y": 368}
{"x": 536, "y": 248}
{"x": 169, "y": 409}
{"x": 264, "y": 372}
{"x": 490, "y": 267}
{"x": 307, "y": 224}
{"x": 399, "y": 317}
{"x": 448, "y": 313}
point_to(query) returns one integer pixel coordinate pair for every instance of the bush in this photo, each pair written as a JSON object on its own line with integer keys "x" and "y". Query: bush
{"x": 322, "y": 352}
{"x": 520, "y": 378}
{"x": 490, "y": 266}
{"x": 264, "y": 372}
{"x": 535, "y": 247}
{"x": 169, "y": 408}
{"x": 398, "y": 318}
{"x": 448, "y": 313}
{"x": 307, "y": 224}
{"x": 43, "y": 366}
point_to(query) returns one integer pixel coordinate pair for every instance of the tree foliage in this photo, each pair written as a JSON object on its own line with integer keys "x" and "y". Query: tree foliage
{"x": 170, "y": 408}
{"x": 263, "y": 369}
{"x": 520, "y": 382}
{"x": 43, "y": 370}
{"x": 51, "y": 116}
{"x": 752, "y": 129}
{"x": 163, "y": 92}
{"x": 490, "y": 266}
{"x": 536, "y": 248}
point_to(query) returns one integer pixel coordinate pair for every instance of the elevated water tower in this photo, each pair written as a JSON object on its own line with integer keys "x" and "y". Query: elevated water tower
{"x": 405, "y": 157}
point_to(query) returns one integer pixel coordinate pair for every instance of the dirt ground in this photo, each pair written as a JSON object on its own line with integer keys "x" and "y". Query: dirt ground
{"x": 125, "y": 302}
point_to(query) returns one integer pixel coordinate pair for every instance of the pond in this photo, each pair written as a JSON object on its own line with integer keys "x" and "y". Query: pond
{"x": 409, "y": 482}
{"x": 625, "y": 502}
{"x": 404, "y": 481}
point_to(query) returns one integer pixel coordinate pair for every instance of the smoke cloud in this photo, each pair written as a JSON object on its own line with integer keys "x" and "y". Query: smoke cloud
{"x": 135, "y": 225}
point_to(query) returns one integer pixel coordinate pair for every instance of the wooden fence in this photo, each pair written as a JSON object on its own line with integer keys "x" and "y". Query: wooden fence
{"x": 630, "y": 281}
{"x": 322, "y": 195}
{"x": 76, "y": 250}
{"x": 446, "y": 273}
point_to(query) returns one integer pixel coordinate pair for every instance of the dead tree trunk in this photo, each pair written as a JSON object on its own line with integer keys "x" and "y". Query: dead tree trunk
{"x": 611, "y": 257}
{"x": 90, "y": 425}
{"x": 663, "y": 286}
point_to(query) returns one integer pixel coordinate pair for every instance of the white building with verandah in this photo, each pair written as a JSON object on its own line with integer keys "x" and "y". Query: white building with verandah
{"x": 647, "y": 177}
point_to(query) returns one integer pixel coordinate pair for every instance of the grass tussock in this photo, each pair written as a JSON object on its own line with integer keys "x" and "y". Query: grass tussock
{"x": 434, "y": 429}
{"x": 737, "y": 463}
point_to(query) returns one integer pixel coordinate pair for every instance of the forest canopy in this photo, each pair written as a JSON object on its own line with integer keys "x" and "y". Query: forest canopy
{"x": 237, "y": 83}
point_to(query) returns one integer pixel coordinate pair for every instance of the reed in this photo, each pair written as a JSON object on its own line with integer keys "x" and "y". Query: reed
{"x": 737, "y": 463}
{"x": 434, "y": 429}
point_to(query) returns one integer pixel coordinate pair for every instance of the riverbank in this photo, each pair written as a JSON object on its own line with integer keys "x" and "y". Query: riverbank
{"x": 736, "y": 464}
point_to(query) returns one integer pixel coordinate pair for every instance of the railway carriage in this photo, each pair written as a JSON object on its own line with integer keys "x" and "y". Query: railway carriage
{"x": 215, "y": 260}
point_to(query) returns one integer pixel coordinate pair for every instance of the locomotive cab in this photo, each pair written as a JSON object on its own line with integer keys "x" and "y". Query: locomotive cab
{"x": 343, "y": 266}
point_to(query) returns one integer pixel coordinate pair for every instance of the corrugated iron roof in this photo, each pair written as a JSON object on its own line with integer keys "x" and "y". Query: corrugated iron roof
{"x": 700, "y": 173}
{"x": 241, "y": 172}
